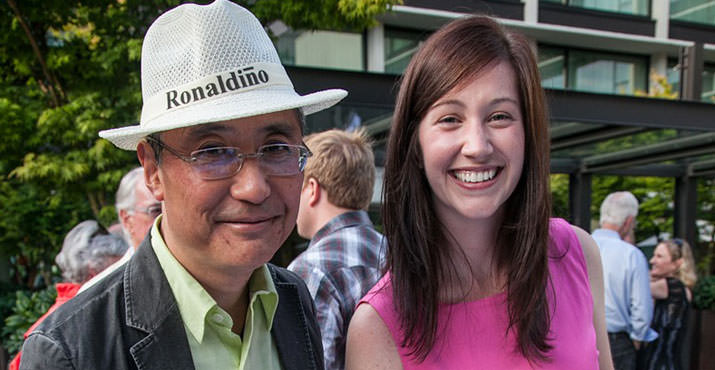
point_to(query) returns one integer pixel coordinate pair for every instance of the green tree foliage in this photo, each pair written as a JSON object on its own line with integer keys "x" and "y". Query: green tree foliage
{"x": 560, "y": 195}
{"x": 705, "y": 216}
{"x": 352, "y": 15}
{"x": 704, "y": 293}
{"x": 27, "y": 308}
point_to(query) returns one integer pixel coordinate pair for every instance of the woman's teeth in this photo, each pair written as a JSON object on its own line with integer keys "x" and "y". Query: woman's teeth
{"x": 474, "y": 176}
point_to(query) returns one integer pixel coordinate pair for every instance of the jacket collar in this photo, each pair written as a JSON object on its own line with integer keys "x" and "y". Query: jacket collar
{"x": 290, "y": 327}
{"x": 151, "y": 308}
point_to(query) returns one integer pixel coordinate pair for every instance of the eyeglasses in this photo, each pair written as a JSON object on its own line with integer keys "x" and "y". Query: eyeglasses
{"x": 152, "y": 210}
{"x": 222, "y": 162}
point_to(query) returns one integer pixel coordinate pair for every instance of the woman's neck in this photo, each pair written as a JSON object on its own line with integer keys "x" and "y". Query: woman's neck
{"x": 473, "y": 266}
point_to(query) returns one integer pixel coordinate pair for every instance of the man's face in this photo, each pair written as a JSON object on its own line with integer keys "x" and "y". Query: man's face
{"x": 138, "y": 222}
{"x": 231, "y": 224}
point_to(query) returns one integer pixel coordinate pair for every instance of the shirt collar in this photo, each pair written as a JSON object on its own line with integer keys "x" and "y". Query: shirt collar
{"x": 194, "y": 301}
{"x": 607, "y": 233}
{"x": 346, "y": 219}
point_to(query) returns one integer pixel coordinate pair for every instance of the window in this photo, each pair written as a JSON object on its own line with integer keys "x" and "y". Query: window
{"x": 592, "y": 71}
{"x": 323, "y": 49}
{"x": 604, "y": 73}
{"x": 635, "y": 7}
{"x": 697, "y": 11}
{"x": 400, "y": 45}
{"x": 708, "y": 84}
{"x": 708, "y": 94}
{"x": 673, "y": 74}
{"x": 552, "y": 67}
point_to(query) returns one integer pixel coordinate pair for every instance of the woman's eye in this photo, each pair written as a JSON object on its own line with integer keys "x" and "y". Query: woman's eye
{"x": 500, "y": 117}
{"x": 448, "y": 119}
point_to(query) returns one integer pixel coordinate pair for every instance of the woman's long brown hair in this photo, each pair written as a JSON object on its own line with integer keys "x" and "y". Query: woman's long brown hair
{"x": 417, "y": 257}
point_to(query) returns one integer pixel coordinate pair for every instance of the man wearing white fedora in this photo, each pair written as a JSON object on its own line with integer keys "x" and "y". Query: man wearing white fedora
{"x": 220, "y": 141}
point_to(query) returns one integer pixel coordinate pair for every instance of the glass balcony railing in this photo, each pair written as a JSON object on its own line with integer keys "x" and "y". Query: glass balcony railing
{"x": 696, "y": 11}
{"x": 592, "y": 71}
{"x": 400, "y": 45}
{"x": 634, "y": 7}
{"x": 708, "y": 83}
{"x": 322, "y": 49}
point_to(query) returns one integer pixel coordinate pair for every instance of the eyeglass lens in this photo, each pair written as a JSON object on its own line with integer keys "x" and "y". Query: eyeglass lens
{"x": 275, "y": 160}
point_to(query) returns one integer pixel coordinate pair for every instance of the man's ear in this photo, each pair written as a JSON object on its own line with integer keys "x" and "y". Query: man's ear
{"x": 124, "y": 219}
{"x": 627, "y": 226}
{"x": 314, "y": 191}
{"x": 146, "y": 157}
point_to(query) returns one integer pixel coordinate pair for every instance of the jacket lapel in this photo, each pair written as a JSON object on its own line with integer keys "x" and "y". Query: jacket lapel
{"x": 290, "y": 330}
{"x": 151, "y": 309}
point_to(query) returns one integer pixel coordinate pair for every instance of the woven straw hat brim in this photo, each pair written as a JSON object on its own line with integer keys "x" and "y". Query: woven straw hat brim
{"x": 260, "y": 101}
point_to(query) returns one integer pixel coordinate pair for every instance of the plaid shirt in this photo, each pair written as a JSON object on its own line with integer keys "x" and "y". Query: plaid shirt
{"x": 340, "y": 265}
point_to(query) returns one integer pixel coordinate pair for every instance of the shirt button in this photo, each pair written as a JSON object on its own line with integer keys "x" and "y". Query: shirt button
{"x": 218, "y": 318}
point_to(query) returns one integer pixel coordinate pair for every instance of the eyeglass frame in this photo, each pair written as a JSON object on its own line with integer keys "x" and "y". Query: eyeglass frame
{"x": 305, "y": 153}
{"x": 145, "y": 210}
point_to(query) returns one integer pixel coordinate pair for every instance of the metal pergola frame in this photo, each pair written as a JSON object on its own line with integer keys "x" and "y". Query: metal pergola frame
{"x": 607, "y": 116}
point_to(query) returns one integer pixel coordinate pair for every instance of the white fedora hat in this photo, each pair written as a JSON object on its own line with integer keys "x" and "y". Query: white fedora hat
{"x": 211, "y": 63}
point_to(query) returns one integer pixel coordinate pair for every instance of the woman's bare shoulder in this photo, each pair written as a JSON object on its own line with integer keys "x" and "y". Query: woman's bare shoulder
{"x": 370, "y": 344}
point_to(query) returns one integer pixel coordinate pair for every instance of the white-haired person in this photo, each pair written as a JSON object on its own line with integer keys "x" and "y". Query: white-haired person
{"x": 136, "y": 209}
{"x": 87, "y": 250}
{"x": 629, "y": 307}
{"x": 673, "y": 277}
{"x": 220, "y": 139}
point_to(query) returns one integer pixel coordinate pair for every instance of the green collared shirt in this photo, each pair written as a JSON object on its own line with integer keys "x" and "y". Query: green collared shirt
{"x": 208, "y": 327}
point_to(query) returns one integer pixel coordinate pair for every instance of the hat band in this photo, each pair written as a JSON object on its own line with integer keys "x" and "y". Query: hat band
{"x": 246, "y": 78}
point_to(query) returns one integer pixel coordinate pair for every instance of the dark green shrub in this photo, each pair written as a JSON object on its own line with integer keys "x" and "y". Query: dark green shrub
{"x": 28, "y": 307}
{"x": 704, "y": 293}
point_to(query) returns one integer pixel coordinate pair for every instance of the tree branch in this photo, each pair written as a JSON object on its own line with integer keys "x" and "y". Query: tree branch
{"x": 93, "y": 204}
{"x": 53, "y": 87}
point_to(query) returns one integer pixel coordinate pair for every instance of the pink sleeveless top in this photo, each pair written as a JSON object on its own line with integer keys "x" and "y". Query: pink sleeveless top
{"x": 472, "y": 335}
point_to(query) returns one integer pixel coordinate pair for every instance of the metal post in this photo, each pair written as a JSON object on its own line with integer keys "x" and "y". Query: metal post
{"x": 685, "y": 206}
{"x": 691, "y": 72}
{"x": 580, "y": 200}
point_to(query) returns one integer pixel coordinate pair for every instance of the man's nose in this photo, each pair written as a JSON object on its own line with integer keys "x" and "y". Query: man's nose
{"x": 250, "y": 184}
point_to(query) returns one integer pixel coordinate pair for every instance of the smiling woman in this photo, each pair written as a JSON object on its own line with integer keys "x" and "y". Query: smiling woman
{"x": 478, "y": 275}
{"x": 472, "y": 141}
{"x": 672, "y": 278}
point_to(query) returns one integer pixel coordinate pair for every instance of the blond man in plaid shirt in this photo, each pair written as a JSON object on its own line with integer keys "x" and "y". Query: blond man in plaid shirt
{"x": 342, "y": 261}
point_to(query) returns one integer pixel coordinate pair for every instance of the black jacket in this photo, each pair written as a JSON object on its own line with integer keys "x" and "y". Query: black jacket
{"x": 130, "y": 320}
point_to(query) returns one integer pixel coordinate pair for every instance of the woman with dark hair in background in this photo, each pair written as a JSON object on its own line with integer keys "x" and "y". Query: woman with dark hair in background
{"x": 477, "y": 274}
{"x": 672, "y": 276}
